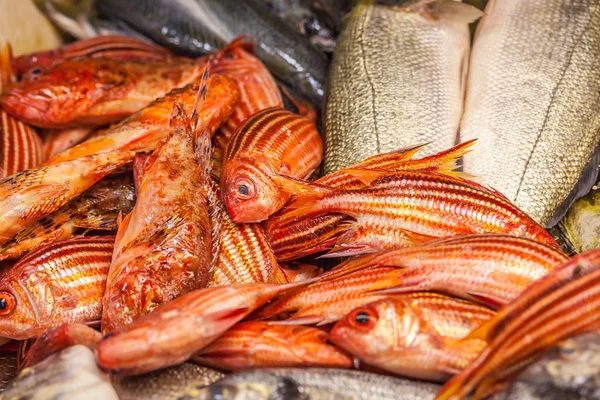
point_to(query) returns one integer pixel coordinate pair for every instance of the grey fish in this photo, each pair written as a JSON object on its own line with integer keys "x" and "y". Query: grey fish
{"x": 196, "y": 27}
{"x": 532, "y": 101}
{"x": 314, "y": 384}
{"x": 397, "y": 79}
{"x": 174, "y": 383}
{"x": 69, "y": 374}
{"x": 570, "y": 371}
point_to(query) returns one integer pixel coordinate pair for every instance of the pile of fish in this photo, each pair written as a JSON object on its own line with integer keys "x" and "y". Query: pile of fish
{"x": 165, "y": 231}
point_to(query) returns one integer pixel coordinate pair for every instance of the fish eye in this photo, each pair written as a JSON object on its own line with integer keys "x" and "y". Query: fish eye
{"x": 245, "y": 188}
{"x": 7, "y": 303}
{"x": 362, "y": 318}
{"x": 36, "y": 71}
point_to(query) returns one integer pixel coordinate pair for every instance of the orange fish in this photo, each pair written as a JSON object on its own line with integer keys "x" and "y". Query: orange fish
{"x": 55, "y": 141}
{"x": 563, "y": 304}
{"x": 395, "y": 335}
{"x": 175, "y": 331}
{"x": 261, "y": 345}
{"x": 163, "y": 247}
{"x": 57, "y": 284}
{"x": 273, "y": 141}
{"x": 311, "y": 234}
{"x": 491, "y": 269}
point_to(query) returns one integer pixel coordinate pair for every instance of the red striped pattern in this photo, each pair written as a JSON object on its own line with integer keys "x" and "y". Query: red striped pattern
{"x": 20, "y": 146}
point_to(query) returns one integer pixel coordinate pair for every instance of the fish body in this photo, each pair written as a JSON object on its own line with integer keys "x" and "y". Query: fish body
{"x": 55, "y": 141}
{"x": 397, "y": 79}
{"x": 94, "y": 92}
{"x": 273, "y": 141}
{"x": 261, "y": 345}
{"x": 143, "y": 130}
{"x": 175, "y": 331}
{"x": 394, "y": 335}
{"x": 163, "y": 247}
{"x": 69, "y": 375}
{"x": 95, "y": 209}
{"x": 200, "y": 26}
{"x": 60, "y": 283}
{"x": 549, "y": 50}
{"x": 30, "y": 195}
{"x": 314, "y": 384}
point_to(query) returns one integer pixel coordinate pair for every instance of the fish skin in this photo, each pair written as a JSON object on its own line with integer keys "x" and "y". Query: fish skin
{"x": 296, "y": 271}
{"x": 273, "y": 141}
{"x": 314, "y": 384}
{"x": 492, "y": 269}
{"x": 397, "y": 79}
{"x": 196, "y": 27}
{"x": 56, "y": 284}
{"x": 262, "y": 345}
{"x": 559, "y": 306}
{"x": 175, "y": 331}
{"x": 143, "y": 130}
{"x": 55, "y": 141}
{"x": 30, "y": 195}
{"x": 163, "y": 247}
{"x": 95, "y": 209}
{"x": 518, "y": 150}
{"x": 69, "y": 374}
{"x": 94, "y": 92}
{"x": 394, "y": 335}
{"x": 413, "y": 206}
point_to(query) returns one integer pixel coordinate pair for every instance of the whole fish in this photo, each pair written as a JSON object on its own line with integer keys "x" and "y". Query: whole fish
{"x": 559, "y": 306}
{"x": 94, "y": 92}
{"x": 96, "y": 209}
{"x": 549, "y": 49}
{"x": 261, "y": 345}
{"x": 71, "y": 374}
{"x": 143, "y": 130}
{"x": 60, "y": 283}
{"x": 30, "y": 195}
{"x": 314, "y": 384}
{"x": 306, "y": 235}
{"x": 199, "y": 26}
{"x": 55, "y": 141}
{"x": 175, "y": 331}
{"x": 163, "y": 247}
{"x": 273, "y": 141}
{"x": 491, "y": 269}
{"x": 404, "y": 208}
{"x": 397, "y": 79}
{"x": 394, "y": 335}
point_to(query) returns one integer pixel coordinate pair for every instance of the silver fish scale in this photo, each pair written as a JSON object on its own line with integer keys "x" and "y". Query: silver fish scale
{"x": 396, "y": 80}
{"x": 533, "y": 99}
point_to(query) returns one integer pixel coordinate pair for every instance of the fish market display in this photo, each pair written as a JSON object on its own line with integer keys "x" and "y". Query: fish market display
{"x": 96, "y": 209}
{"x": 60, "y": 283}
{"x": 561, "y": 305}
{"x": 393, "y": 334}
{"x": 271, "y": 142}
{"x": 200, "y": 26}
{"x": 549, "y": 50}
{"x": 163, "y": 247}
{"x": 70, "y": 374}
{"x": 315, "y": 384}
{"x": 261, "y": 345}
{"x": 397, "y": 79}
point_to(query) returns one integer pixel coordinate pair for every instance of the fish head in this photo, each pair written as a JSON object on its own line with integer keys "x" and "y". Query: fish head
{"x": 248, "y": 191}
{"x": 19, "y": 313}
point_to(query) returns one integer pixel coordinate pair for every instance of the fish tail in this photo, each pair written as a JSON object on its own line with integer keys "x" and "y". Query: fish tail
{"x": 447, "y": 160}
{"x": 446, "y": 10}
{"x": 7, "y": 75}
{"x": 245, "y": 42}
{"x": 306, "y": 195}
{"x": 304, "y": 107}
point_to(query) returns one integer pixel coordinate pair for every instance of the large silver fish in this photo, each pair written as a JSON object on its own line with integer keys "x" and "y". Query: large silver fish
{"x": 397, "y": 79}
{"x": 532, "y": 101}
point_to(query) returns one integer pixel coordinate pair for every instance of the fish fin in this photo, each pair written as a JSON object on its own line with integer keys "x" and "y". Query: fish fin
{"x": 304, "y": 320}
{"x": 446, "y": 10}
{"x": 279, "y": 275}
{"x": 216, "y": 212}
{"x": 7, "y": 75}
{"x": 122, "y": 226}
{"x": 366, "y": 176}
{"x": 350, "y": 250}
{"x": 235, "y": 313}
{"x": 304, "y": 107}
{"x": 448, "y": 159}
{"x": 103, "y": 221}
{"x": 406, "y": 153}
{"x": 245, "y": 42}
{"x": 299, "y": 187}
{"x": 115, "y": 47}
{"x": 487, "y": 300}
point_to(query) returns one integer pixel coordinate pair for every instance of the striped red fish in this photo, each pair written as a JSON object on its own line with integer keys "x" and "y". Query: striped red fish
{"x": 311, "y": 234}
{"x": 273, "y": 141}
{"x": 258, "y": 89}
{"x": 261, "y": 345}
{"x": 105, "y": 46}
{"x": 57, "y": 284}
{"x": 564, "y": 304}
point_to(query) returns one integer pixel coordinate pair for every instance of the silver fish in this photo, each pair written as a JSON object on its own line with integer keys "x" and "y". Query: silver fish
{"x": 71, "y": 374}
{"x": 532, "y": 101}
{"x": 314, "y": 384}
{"x": 397, "y": 79}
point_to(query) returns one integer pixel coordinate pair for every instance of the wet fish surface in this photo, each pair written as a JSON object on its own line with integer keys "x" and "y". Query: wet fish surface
{"x": 532, "y": 102}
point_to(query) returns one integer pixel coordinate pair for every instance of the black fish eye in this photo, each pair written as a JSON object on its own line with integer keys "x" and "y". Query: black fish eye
{"x": 3, "y": 304}
{"x": 36, "y": 71}
{"x": 243, "y": 190}
{"x": 362, "y": 318}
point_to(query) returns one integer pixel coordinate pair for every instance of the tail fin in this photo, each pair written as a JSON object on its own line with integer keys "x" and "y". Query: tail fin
{"x": 304, "y": 107}
{"x": 245, "y": 42}
{"x": 7, "y": 75}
